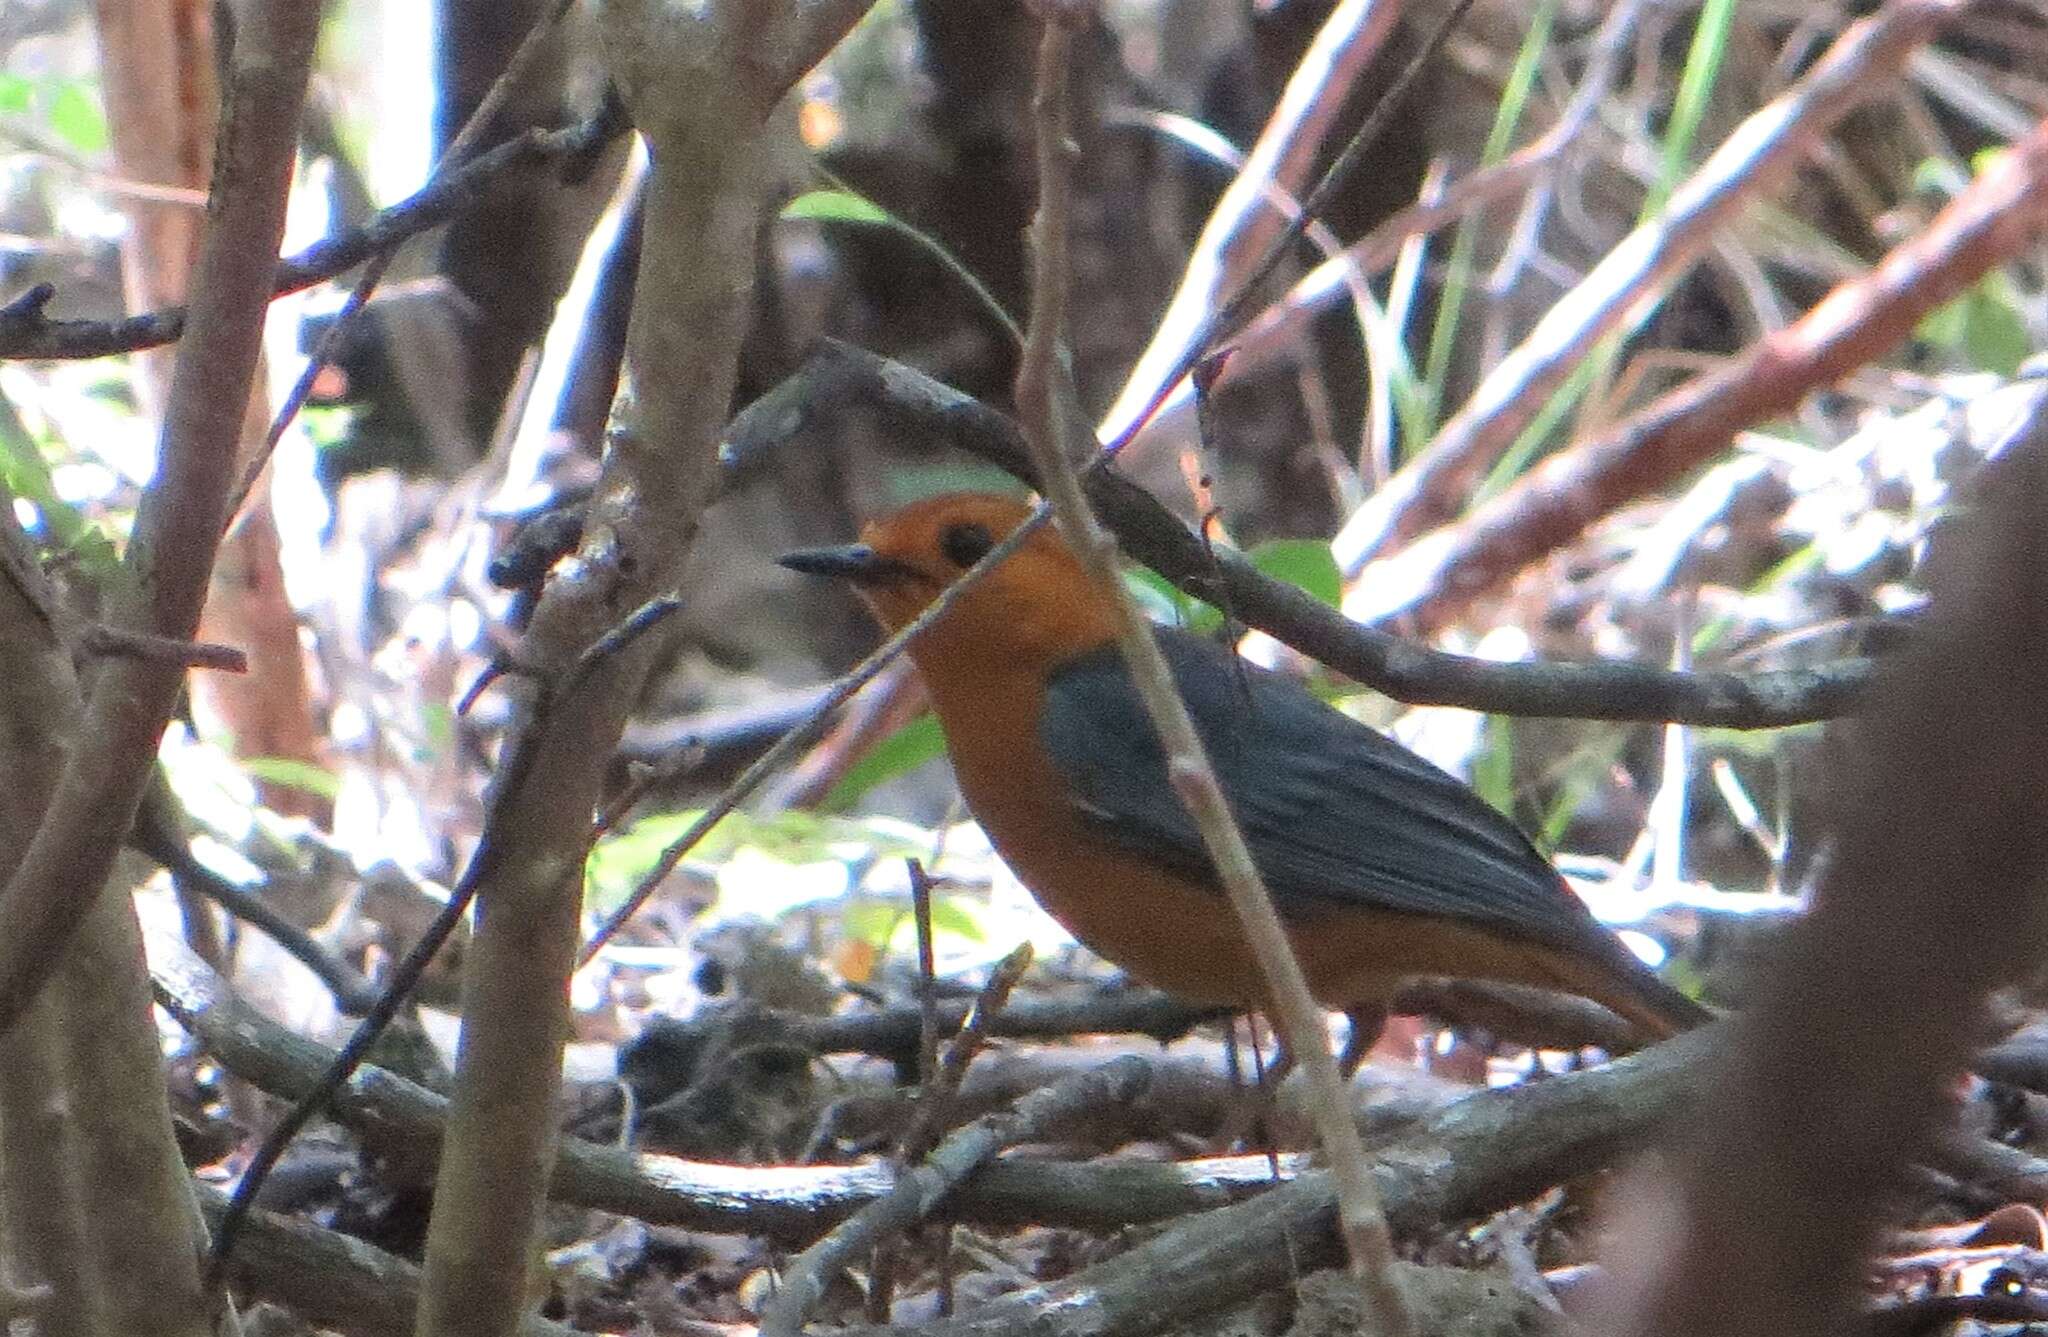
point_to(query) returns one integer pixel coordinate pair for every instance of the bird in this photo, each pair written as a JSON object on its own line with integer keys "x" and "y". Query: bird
{"x": 1382, "y": 866}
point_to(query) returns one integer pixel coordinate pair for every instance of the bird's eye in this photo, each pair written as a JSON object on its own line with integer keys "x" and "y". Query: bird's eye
{"x": 965, "y": 544}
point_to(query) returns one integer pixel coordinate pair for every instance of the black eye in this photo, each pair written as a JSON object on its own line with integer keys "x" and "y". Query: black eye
{"x": 965, "y": 544}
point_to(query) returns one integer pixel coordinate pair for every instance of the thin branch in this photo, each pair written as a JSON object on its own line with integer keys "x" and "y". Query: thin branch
{"x": 796, "y": 739}
{"x": 1369, "y": 1244}
{"x": 154, "y": 836}
{"x": 918, "y": 406}
{"x": 701, "y": 82}
{"x": 331, "y": 1280}
{"x": 1242, "y": 225}
{"x": 515, "y": 766}
{"x": 941, "y": 1084}
{"x": 1486, "y": 1152}
{"x": 479, "y": 122}
{"x": 787, "y": 1203}
{"x": 113, "y": 642}
{"x": 26, "y": 332}
{"x": 919, "y": 1192}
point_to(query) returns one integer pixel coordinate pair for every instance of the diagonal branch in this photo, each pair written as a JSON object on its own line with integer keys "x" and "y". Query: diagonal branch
{"x": 27, "y": 332}
{"x": 1990, "y": 222}
{"x": 1043, "y": 406}
{"x": 1761, "y": 153}
{"x": 915, "y": 404}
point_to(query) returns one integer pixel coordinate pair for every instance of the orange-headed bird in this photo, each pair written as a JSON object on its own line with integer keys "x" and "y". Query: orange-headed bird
{"x": 1382, "y": 866}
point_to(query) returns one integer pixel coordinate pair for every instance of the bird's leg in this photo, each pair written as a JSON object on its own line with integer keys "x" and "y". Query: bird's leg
{"x": 1244, "y": 1119}
{"x": 1367, "y": 1020}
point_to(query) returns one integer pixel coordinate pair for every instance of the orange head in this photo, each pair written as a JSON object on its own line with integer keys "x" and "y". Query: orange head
{"x": 1033, "y": 610}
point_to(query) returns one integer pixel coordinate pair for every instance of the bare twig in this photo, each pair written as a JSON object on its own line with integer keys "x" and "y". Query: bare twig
{"x": 796, "y": 739}
{"x": 1227, "y": 318}
{"x": 944, "y": 1083}
{"x": 99, "y": 639}
{"x": 787, "y": 1203}
{"x": 331, "y": 1280}
{"x": 1043, "y": 413}
{"x": 478, "y": 123}
{"x": 1240, "y": 227}
{"x": 919, "y": 1191}
{"x": 1752, "y": 161}
{"x": 26, "y": 332}
{"x": 927, "y": 989}
{"x": 701, "y": 82}
{"x": 1477, "y": 1156}
{"x": 517, "y": 763}
{"x": 352, "y": 992}
{"x": 914, "y": 1196}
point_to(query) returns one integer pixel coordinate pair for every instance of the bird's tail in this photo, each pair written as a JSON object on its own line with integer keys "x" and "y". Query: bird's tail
{"x": 1619, "y": 981}
{"x": 1652, "y": 1003}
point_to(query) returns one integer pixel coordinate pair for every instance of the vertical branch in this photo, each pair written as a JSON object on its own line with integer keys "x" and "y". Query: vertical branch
{"x": 1044, "y": 420}
{"x": 700, "y": 82}
{"x": 178, "y": 525}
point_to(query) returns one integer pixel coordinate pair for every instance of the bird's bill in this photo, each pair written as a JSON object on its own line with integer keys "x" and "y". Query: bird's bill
{"x": 855, "y": 562}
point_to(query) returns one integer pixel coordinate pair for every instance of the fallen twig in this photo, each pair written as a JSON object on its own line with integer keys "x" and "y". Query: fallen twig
{"x": 921, "y": 1190}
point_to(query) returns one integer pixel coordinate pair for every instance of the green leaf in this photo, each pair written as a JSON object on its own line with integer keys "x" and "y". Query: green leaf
{"x": 842, "y": 205}
{"x": 291, "y": 773}
{"x": 1306, "y": 564}
{"x": 17, "y": 94}
{"x": 437, "y": 721}
{"x": 959, "y": 916}
{"x": 874, "y": 922}
{"x": 1493, "y": 770}
{"x": 620, "y": 860}
{"x": 1983, "y": 326}
{"x": 1944, "y": 326}
{"x": 837, "y": 206}
{"x": 74, "y": 114}
{"x": 1157, "y": 596}
{"x": 27, "y": 475}
{"x": 1995, "y": 338}
{"x": 900, "y": 753}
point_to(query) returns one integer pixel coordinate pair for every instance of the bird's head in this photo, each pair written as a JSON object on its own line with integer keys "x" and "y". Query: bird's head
{"x": 1035, "y": 608}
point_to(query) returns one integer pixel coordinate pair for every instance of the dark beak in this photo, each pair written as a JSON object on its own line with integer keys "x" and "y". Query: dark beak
{"x": 855, "y": 562}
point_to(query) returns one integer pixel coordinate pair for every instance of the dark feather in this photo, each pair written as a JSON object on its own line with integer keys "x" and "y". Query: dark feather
{"x": 1336, "y": 813}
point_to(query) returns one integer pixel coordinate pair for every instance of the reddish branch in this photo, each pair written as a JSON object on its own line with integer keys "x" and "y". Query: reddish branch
{"x": 1996, "y": 218}
{"x": 1752, "y": 162}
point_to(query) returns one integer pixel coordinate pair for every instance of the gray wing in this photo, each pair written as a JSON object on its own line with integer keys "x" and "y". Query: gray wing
{"x": 1336, "y": 813}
